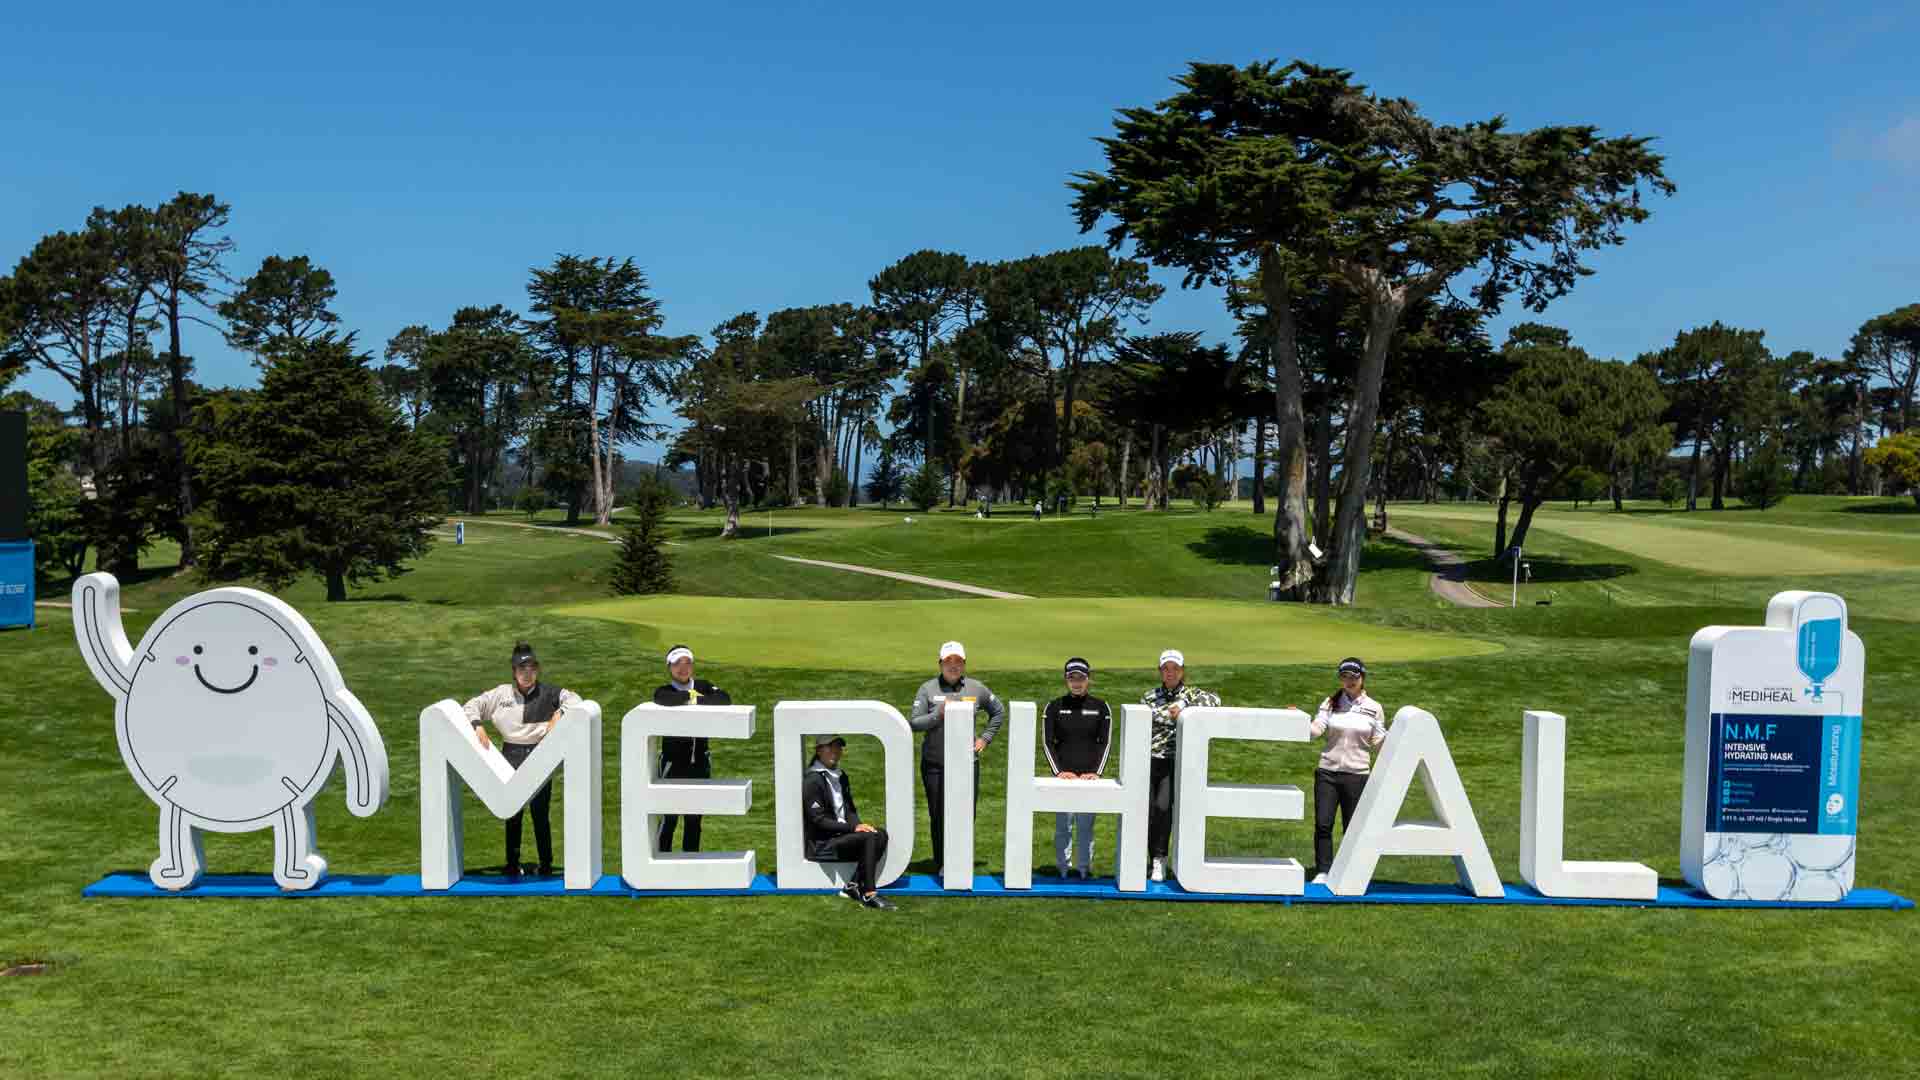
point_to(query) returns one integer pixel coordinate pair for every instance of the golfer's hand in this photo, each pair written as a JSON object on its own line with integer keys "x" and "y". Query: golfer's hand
{"x": 864, "y": 827}
{"x": 485, "y": 742}
{"x": 979, "y": 745}
{"x": 1173, "y": 711}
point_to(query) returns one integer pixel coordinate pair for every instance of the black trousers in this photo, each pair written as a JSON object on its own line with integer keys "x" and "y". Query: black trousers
{"x": 516, "y": 753}
{"x": 933, "y": 776}
{"x": 865, "y": 850}
{"x": 1160, "y": 806}
{"x": 699, "y": 769}
{"x": 1333, "y": 791}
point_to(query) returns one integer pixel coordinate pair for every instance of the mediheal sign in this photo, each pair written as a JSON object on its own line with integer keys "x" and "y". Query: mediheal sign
{"x": 231, "y": 716}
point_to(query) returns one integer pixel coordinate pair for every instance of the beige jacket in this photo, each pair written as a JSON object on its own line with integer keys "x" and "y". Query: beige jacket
{"x": 504, "y": 708}
{"x": 1352, "y": 727}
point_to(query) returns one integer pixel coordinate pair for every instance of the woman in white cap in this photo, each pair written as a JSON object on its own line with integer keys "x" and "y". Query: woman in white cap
{"x": 1168, "y": 701}
{"x": 834, "y": 831}
{"x": 1353, "y": 724}
{"x": 929, "y": 715}
{"x": 684, "y": 756}
{"x": 523, "y": 711}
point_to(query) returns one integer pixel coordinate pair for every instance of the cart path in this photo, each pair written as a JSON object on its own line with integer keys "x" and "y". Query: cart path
{"x": 1449, "y": 580}
{"x": 916, "y": 579}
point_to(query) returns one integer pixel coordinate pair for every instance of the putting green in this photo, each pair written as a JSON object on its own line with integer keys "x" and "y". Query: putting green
{"x": 1011, "y": 635}
{"x": 1711, "y": 544}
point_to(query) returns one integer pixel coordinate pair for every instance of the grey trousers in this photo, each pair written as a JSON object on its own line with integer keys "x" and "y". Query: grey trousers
{"x": 1073, "y": 841}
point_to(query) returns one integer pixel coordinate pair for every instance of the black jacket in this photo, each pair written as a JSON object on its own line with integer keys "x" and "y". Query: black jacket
{"x": 1078, "y": 731}
{"x": 684, "y": 751}
{"x": 816, "y": 809}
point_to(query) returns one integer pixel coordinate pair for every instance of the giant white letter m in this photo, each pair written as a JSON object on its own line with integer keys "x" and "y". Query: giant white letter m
{"x": 448, "y": 748}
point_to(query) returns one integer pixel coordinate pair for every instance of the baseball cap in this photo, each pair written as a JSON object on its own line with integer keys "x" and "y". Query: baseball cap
{"x": 1353, "y": 665}
{"x": 1078, "y": 666}
{"x": 523, "y": 654}
{"x": 828, "y": 739}
{"x": 1174, "y": 655}
{"x": 953, "y": 648}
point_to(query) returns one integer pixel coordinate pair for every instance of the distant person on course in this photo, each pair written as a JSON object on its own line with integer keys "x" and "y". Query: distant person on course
{"x": 1078, "y": 731}
{"x": 523, "y": 711}
{"x": 834, "y": 831}
{"x": 1353, "y": 724}
{"x": 1168, "y": 700}
{"x": 684, "y": 756}
{"x": 929, "y": 715}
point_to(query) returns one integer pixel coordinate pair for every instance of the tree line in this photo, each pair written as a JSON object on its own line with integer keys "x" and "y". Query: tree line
{"x": 1360, "y": 246}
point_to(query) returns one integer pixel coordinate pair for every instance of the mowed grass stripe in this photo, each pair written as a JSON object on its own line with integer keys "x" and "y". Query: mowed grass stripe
{"x": 903, "y": 635}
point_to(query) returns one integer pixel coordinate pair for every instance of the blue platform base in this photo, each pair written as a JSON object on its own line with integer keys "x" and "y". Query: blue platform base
{"x": 129, "y": 884}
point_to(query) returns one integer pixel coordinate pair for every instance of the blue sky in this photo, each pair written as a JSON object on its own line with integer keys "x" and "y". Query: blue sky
{"x": 755, "y": 156}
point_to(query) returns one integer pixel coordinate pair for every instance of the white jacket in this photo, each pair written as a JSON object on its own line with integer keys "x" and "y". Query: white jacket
{"x": 1352, "y": 727}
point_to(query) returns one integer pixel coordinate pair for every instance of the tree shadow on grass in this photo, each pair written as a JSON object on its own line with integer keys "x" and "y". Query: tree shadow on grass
{"x": 1883, "y": 508}
{"x": 1243, "y": 545}
{"x": 1548, "y": 570}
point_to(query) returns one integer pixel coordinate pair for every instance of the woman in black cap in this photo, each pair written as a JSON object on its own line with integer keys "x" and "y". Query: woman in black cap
{"x": 1078, "y": 729}
{"x": 1353, "y": 724}
{"x": 834, "y": 830}
{"x": 523, "y": 711}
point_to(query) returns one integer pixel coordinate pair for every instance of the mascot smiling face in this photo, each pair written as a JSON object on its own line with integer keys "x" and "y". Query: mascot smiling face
{"x": 225, "y": 717}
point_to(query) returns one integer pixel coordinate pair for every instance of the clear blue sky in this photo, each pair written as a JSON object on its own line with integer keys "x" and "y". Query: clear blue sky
{"x": 755, "y": 156}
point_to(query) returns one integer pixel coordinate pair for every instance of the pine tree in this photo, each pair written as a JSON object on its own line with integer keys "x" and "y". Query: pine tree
{"x": 643, "y": 565}
{"x": 926, "y": 486}
{"x": 314, "y": 473}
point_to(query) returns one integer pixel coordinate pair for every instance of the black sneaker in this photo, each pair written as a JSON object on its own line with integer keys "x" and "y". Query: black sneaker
{"x": 546, "y": 869}
{"x": 877, "y": 902}
{"x": 852, "y": 892}
{"x": 513, "y": 875}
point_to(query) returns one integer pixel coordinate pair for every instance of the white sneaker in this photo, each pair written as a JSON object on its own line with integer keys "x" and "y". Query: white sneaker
{"x": 1319, "y": 879}
{"x": 1157, "y": 870}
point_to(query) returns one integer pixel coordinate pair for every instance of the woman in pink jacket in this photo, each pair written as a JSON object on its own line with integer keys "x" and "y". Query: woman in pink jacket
{"x": 1353, "y": 724}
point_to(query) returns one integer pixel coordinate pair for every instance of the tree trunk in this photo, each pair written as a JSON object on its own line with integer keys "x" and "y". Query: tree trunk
{"x": 1529, "y": 502}
{"x": 1720, "y": 477}
{"x": 1334, "y": 582}
{"x": 177, "y": 384}
{"x": 793, "y": 466}
{"x": 336, "y": 584}
{"x": 1693, "y": 475}
{"x": 959, "y": 423}
{"x": 1500, "y": 519}
{"x": 1323, "y": 473}
{"x": 1291, "y": 530}
{"x": 853, "y": 481}
{"x": 730, "y": 491}
{"x": 1260, "y": 466}
{"x": 1126, "y": 455}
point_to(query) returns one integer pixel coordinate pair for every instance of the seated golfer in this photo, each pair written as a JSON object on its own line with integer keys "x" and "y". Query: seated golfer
{"x": 1079, "y": 728}
{"x": 523, "y": 711}
{"x": 835, "y": 832}
{"x": 684, "y": 756}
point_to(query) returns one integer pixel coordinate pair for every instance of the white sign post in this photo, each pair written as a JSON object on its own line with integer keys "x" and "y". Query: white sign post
{"x": 1773, "y": 754}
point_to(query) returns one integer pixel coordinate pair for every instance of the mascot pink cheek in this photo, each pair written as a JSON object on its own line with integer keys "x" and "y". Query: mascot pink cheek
{"x": 269, "y": 662}
{"x": 182, "y": 661}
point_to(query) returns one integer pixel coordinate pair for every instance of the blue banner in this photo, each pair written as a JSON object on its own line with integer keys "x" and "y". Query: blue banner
{"x": 1771, "y": 773}
{"x": 16, "y": 583}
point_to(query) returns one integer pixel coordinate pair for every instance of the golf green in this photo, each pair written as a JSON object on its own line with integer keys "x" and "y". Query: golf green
{"x": 1011, "y": 635}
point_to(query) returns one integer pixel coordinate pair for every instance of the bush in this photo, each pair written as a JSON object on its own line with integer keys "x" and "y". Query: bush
{"x": 1765, "y": 479}
{"x": 926, "y": 487}
{"x": 1672, "y": 489}
{"x": 837, "y": 489}
{"x": 643, "y": 565}
{"x": 532, "y": 501}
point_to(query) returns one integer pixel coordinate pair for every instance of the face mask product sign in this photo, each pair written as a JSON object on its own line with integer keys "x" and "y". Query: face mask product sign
{"x": 451, "y": 755}
{"x": 646, "y": 797}
{"x": 1028, "y": 795}
{"x": 1414, "y": 745}
{"x": 1200, "y": 800}
{"x": 1543, "y": 782}
{"x": 1773, "y": 754}
{"x": 795, "y": 723}
{"x": 229, "y": 717}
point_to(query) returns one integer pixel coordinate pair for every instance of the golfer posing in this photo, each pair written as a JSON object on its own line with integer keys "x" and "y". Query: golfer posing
{"x": 929, "y": 715}
{"x": 1168, "y": 700}
{"x": 1353, "y": 724}
{"x": 685, "y": 756}
{"x": 1079, "y": 729}
{"x": 523, "y": 711}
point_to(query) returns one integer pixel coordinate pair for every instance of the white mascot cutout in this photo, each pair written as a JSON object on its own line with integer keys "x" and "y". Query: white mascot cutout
{"x": 229, "y": 717}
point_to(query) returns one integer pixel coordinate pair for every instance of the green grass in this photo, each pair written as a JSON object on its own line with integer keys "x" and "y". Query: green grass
{"x": 811, "y": 986}
{"x": 903, "y": 635}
